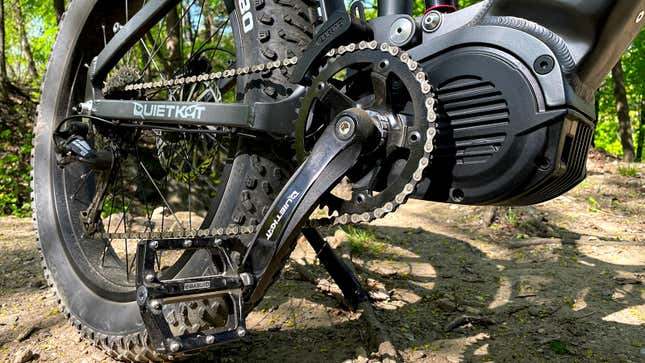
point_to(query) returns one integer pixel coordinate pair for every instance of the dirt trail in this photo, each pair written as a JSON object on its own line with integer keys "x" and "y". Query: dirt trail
{"x": 562, "y": 281}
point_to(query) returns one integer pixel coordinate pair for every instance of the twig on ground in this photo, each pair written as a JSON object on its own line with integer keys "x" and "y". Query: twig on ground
{"x": 466, "y": 319}
{"x": 378, "y": 335}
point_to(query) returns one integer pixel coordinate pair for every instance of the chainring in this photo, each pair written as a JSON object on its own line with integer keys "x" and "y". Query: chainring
{"x": 394, "y": 90}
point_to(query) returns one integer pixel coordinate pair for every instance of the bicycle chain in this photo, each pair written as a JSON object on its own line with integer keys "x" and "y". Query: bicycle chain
{"x": 389, "y": 207}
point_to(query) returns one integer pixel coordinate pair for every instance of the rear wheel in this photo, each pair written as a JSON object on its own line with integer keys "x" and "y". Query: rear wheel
{"x": 165, "y": 181}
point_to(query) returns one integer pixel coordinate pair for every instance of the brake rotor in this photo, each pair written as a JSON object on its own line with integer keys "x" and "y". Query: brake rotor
{"x": 393, "y": 89}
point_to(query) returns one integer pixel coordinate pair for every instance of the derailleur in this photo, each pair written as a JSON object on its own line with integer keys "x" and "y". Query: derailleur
{"x": 72, "y": 146}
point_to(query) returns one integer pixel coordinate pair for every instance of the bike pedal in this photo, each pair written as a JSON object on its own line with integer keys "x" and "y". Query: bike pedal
{"x": 153, "y": 293}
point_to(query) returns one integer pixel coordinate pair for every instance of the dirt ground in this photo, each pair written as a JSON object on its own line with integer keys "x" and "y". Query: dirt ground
{"x": 562, "y": 281}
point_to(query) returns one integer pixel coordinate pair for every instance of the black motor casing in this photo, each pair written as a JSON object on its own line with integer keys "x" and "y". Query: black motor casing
{"x": 494, "y": 145}
{"x": 511, "y": 129}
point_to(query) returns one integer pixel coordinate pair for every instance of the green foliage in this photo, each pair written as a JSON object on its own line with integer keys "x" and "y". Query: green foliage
{"x": 559, "y": 347}
{"x": 14, "y": 173}
{"x": 629, "y": 170}
{"x": 362, "y": 242}
{"x": 41, "y": 28}
{"x": 606, "y": 135}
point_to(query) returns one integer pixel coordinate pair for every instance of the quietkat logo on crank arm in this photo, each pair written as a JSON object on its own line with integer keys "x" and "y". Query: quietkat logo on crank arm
{"x": 338, "y": 152}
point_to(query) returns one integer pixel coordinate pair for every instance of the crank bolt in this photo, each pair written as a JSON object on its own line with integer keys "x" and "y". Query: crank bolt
{"x": 150, "y": 277}
{"x": 210, "y": 339}
{"x": 174, "y": 346}
{"x": 345, "y": 128}
{"x": 432, "y": 21}
{"x": 188, "y": 243}
{"x": 153, "y": 245}
{"x": 241, "y": 332}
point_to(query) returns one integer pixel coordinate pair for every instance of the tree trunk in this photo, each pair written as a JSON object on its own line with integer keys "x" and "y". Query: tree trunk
{"x": 3, "y": 61}
{"x": 622, "y": 107}
{"x": 26, "y": 48}
{"x": 597, "y": 107}
{"x": 172, "y": 42}
{"x": 641, "y": 130}
{"x": 59, "y": 7}
{"x": 208, "y": 21}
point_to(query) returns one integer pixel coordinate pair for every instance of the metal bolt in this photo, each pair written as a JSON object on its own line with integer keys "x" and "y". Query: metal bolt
{"x": 150, "y": 277}
{"x": 217, "y": 242}
{"x": 188, "y": 243}
{"x": 155, "y": 305}
{"x": 153, "y": 245}
{"x": 116, "y": 27}
{"x": 241, "y": 332}
{"x": 402, "y": 31}
{"x": 210, "y": 339}
{"x": 142, "y": 295}
{"x": 640, "y": 16}
{"x": 174, "y": 346}
{"x": 345, "y": 127}
{"x": 432, "y": 21}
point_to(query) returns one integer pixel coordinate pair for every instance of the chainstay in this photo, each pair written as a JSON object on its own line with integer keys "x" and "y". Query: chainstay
{"x": 377, "y": 213}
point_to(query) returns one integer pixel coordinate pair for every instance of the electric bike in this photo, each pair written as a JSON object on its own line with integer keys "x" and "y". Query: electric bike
{"x": 181, "y": 146}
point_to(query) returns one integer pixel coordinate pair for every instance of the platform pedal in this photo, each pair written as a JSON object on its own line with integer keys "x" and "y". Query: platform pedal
{"x": 153, "y": 293}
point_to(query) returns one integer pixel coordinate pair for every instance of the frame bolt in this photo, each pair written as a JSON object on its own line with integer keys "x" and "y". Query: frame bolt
{"x": 345, "y": 128}
{"x": 402, "y": 31}
{"x": 432, "y": 21}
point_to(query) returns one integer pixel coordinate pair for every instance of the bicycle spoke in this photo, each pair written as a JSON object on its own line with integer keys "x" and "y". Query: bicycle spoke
{"x": 162, "y": 197}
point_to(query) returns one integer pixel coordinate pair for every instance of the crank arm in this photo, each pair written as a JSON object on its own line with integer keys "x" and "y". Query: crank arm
{"x": 336, "y": 152}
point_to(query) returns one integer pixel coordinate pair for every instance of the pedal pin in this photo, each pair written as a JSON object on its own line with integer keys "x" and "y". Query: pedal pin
{"x": 155, "y": 305}
{"x": 150, "y": 277}
{"x": 246, "y": 278}
{"x": 174, "y": 346}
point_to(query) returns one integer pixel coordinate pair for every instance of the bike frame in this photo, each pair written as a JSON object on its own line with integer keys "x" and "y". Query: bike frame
{"x": 596, "y": 49}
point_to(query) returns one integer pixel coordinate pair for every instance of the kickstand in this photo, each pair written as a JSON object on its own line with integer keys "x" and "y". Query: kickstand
{"x": 337, "y": 268}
